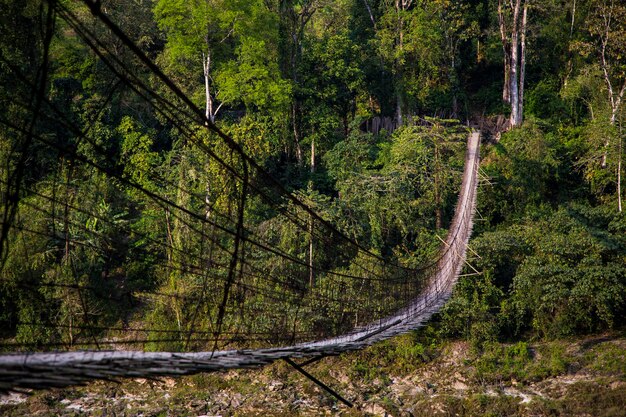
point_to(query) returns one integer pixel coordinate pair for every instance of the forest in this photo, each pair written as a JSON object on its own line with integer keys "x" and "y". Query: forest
{"x": 361, "y": 110}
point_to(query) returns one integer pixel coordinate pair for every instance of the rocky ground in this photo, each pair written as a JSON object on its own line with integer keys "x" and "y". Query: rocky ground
{"x": 403, "y": 377}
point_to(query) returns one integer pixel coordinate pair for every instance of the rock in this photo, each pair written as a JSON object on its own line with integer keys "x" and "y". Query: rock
{"x": 460, "y": 386}
{"x": 12, "y": 398}
{"x": 431, "y": 388}
{"x": 236, "y": 400}
{"x": 376, "y": 410}
{"x": 343, "y": 378}
{"x": 275, "y": 386}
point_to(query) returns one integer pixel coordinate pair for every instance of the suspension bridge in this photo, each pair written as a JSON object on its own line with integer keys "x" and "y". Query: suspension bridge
{"x": 236, "y": 296}
{"x": 45, "y": 370}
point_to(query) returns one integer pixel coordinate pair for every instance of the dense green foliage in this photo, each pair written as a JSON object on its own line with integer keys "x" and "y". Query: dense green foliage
{"x": 289, "y": 78}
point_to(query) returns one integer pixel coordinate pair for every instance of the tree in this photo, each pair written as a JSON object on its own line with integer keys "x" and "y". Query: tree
{"x": 456, "y": 27}
{"x": 392, "y": 43}
{"x": 295, "y": 16}
{"x": 608, "y": 26}
{"x": 26, "y": 31}
{"x": 512, "y": 21}
{"x": 393, "y": 191}
{"x": 420, "y": 42}
{"x": 214, "y": 35}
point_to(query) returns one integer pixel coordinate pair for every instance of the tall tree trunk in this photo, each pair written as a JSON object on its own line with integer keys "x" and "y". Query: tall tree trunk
{"x": 207, "y": 195}
{"x": 206, "y": 63}
{"x": 515, "y": 117}
{"x": 437, "y": 180}
{"x": 571, "y": 28}
{"x": 369, "y": 11}
{"x": 506, "y": 49}
{"x": 296, "y": 130}
{"x": 452, "y": 78}
{"x": 615, "y": 98}
{"x": 615, "y": 108}
{"x": 514, "y": 47}
{"x": 180, "y": 240}
{"x": 295, "y": 105}
{"x": 522, "y": 76}
{"x": 311, "y": 254}
{"x": 506, "y": 88}
{"x": 619, "y": 172}
{"x": 293, "y": 24}
{"x": 210, "y": 111}
{"x": 399, "y": 85}
{"x": 570, "y": 64}
{"x": 401, "y": 7}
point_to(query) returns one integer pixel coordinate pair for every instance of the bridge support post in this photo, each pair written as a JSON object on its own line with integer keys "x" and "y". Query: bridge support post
{"x": 318, "y": 382}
